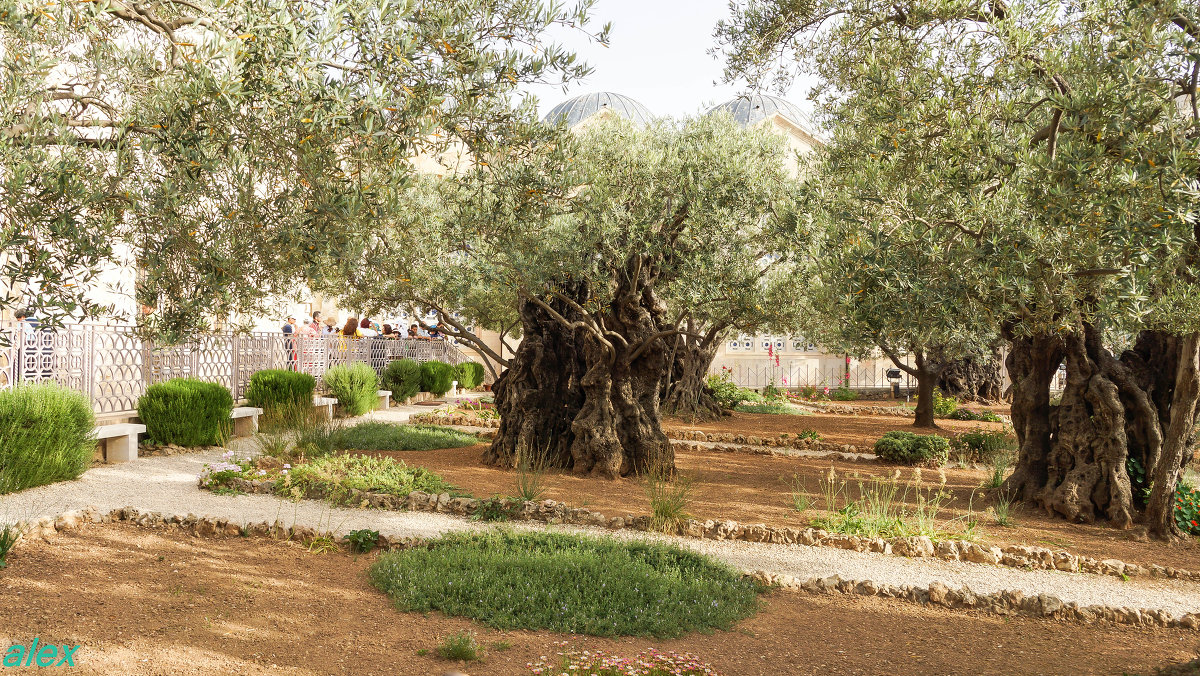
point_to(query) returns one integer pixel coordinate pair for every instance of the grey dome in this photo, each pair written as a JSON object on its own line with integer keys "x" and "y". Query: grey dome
{"x": 577, "y": 109}
{"x": 752, "y": 109}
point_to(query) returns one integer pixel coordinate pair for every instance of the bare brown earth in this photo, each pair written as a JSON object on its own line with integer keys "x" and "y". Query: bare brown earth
{"x": 162, "y": 602}
{"x": 757, "y": 488}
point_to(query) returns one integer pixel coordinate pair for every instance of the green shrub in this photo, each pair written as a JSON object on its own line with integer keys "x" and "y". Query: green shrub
{"x": 983, "y": 445}
{"x": 968, "y": 414}
{"x": 45, "y": 436}
{"x": 913, "y": 449}
{"x": 8, "y": 538}
{"x": 1187, "y": 508}
{"x": 723, "y": 390}
{"x": 186, "y": 412}
{"x": 843, "y": 394}
{"x": 355, "y": 386}
{"x": 943, "y": 406}
{"x": 383, "y": 436}
{"x": 402, "y": 378}
{"x": 436, "y": 377}
{"x": 276, "y": 389}
{"x": 509, "y": 580}
{"x": 363, "y": 540}
{"x": 469, "y": 374}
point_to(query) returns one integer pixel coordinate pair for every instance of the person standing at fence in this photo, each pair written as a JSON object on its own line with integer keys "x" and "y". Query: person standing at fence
{"x": 365, "y": 330}
{"x": 289, "y": 345}
{"x": 350, "y": 330}
{"x": 331, "y": 325}
{"x": 414, "y": 331}
{"x": 315, "y": 324}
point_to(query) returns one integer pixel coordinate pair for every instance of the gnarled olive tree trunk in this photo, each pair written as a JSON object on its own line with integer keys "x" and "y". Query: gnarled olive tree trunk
{"x": 1073, "y": 456}
{"x": 687, "y": 394}
{"x": 538, "y": 396}
{"x": 975, "y": 378}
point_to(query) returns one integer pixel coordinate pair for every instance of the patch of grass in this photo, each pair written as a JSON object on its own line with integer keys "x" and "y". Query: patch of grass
{"x": 501, "y": 646}
{"x": 983, "y": 445}
{"x": 564, "y": 583}
{"x": 383, "y": 436}
{"x": 801, "y": 502}
{"x": 337, "y": 475}
{"x": 460, "y": 647}
{"x": 531, "y": 474}
{"x": 775, "y": 408}
{"x": 999, "y": 469}
{"x": 274, "y": 445}
{"x": 1002, "y": 509}
{"x": 669, "y": 498}
{"x": 8, "y": 538}
{"x": 323, "y": 544}
{"x": 881, "y": 509}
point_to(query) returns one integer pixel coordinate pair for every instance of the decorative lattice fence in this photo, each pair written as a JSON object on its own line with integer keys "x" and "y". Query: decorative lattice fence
{"x": 757, "y": 375}
{"x": 112, "y": 365}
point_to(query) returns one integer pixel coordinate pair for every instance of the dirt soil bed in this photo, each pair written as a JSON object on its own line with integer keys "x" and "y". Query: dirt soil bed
{"x": 138, "y": 601}
{"x": 757, "y": 489}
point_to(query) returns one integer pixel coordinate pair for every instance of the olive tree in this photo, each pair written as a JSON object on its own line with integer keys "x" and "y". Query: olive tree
{"x": 1055, "y": 144}
{"x": 232, "y": 150}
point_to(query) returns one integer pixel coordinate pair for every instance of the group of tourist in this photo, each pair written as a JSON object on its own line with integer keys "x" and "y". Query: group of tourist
{"x": 358, "y": 328}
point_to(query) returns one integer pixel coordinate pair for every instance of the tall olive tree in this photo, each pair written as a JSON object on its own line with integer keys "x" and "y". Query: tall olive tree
{"x": 1057, "y": 143}
{"x": 231, "y": 150}
{"x": 593, "y": 236}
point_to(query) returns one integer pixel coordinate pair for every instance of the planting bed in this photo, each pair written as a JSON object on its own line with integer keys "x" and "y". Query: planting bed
{"x": 155, "y": 602}
{"x": 757, "y": 489}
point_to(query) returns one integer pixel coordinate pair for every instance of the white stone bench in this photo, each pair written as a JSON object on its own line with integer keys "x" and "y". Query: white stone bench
{"x": 120, "y": 441}
{"x": 325, "y": 406}
{"x": 245, "y": 420}
{"x": 385, "y": 398}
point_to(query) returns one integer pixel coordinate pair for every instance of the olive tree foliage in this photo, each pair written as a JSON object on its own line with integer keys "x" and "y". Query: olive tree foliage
{"x": 1053, "y": 150}
{"x": 416, "y": 260}
{"x": 232, "y": 149}
{"x": 609, "y": 240}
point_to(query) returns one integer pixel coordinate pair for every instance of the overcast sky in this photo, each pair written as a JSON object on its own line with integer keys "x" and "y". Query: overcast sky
{"x": 657, "y": 55}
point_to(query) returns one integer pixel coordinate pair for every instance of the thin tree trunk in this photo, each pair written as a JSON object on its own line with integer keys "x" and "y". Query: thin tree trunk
{"x": 1031, "y": 363}
{"x": 1160, "y": 508}
{"x": 688, "y": 396}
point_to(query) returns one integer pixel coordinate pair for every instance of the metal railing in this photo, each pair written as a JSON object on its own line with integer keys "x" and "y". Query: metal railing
{"x": 759, "y": 375}
{"x": 112, "y": 365}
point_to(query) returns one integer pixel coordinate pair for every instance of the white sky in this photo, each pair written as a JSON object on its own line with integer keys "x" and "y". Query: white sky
{"x": 657, "y": 55}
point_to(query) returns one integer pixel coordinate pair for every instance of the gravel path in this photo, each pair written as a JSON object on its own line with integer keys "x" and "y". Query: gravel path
{"x": 168, "y": 484}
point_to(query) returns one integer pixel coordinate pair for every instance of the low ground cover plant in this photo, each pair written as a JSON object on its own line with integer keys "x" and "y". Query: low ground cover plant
{"x": 437, "y": 377}
{"x": 979, "y": 416}
{"x": 402, "y": 378}
{"x": 843, "y": 394}
{"x": 331, "y": 476}
{"x": 669, "y": 498}
{"x": 729, "y": 395}
{"x": 773, "y": 408}
{"x": 647, "y": 663}
{"x": 909, "y": 448}
{"x": 355, "y": 386}
{"x": 45, "y": 436}
{"x": 383, "y": 436}
{"x": 509, "y": 580}
{"x": 187, "y": 412}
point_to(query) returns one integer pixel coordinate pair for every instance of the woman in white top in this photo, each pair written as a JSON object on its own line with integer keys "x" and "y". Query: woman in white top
{"x": 365, "y": 330}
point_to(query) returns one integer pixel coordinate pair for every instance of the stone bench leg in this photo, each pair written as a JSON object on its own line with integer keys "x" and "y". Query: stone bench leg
{"x": 246, "y": 426}
{"x": 323, "y": 412}
{"x": 121, "y": 449}
{"x": 385, "y": 401}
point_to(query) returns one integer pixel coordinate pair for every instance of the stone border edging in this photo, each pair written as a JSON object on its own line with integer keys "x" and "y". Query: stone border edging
{"x": 1006, "y": 602}
{"x": 1002, "y": 603}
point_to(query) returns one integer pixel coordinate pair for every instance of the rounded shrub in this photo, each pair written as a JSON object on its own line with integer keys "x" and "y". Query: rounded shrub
{"x": 469, "y": 374}
{"x": 276, "y": 389}
{"x": 45, "y": 436}
{"x": 356, "y": 387}
{"x": 509, "y": 580}
{"x": 437, "y": 377}
{"x": 403, "y": 378}
{"x": 913, "y": 449}
{"x": 186, "y": 412}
